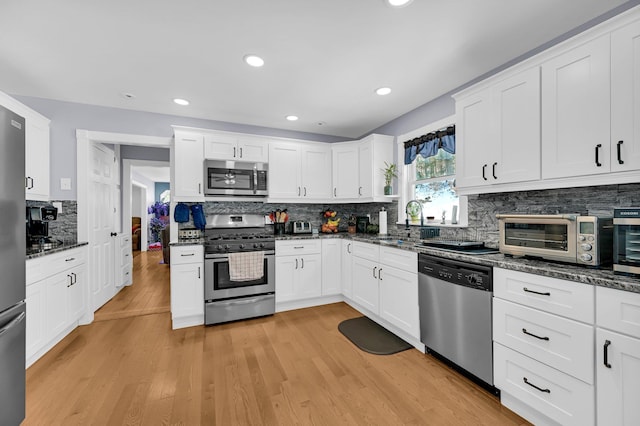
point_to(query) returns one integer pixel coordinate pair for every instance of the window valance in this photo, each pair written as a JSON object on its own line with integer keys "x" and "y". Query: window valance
{"x": 428, "y": 145}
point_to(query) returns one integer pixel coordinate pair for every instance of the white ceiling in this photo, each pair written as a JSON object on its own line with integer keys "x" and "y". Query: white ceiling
{"x": 153, "y": 173}
{"x": 324, "y": 58}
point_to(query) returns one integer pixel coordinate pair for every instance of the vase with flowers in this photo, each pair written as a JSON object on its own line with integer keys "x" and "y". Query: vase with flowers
{"x": 159, "y": 220}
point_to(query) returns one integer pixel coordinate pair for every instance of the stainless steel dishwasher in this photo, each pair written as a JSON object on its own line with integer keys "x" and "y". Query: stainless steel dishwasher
{"x": 455, "y": 314}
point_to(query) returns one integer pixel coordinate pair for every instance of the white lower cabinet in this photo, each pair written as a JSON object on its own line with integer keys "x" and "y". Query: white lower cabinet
{"x": 618, "y": 357}
{"x": 298, "y": 270}
{"x": 124, "y": 261}
{"x": 331, "y": 266}
{"x": 385, "y": 286}
{"x": 543, "y": 347}
{"x": 346, "y": 260}
{"x": 187, "y": 286}
{"x": 56, "y": 296}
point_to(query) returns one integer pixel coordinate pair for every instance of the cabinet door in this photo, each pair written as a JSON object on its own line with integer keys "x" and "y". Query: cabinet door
{"x": 36, "y": 318}
{"x": 187, "y": 290}
{"x": 286, "y": 277}
{"x": 284, "y": 171}
{"x": 346, "y": 268}
{"x": 365, "y": 170}
{"x": 618, "y": 384}
{"x": 76, "y": 293}
{"x": 365, "y": 284}
{"x": 516, "y": 109}
{"x": 474, "y": 141}
{"x": 625, "y": 98}
{"x": 37, "y": 159}
{"x": 331, "y": 266}
{"x": 576, "y": 111}
{"x": 316, "y": 172}
{"x": 399, "y": 299}
{"x": 253, "y": 149}
{"x": 220, "y": 147}
{"x": 188, "y": 168}
{"x": 56, "y": 303}
{"x": 309, "y": 281}
{"x": 345, "y": 171}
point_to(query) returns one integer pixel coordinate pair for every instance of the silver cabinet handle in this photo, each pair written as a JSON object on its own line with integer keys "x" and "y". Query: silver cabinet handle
{"x": 75, "y": 278}
{"x": 70, "y": 281}
{"x": 296, "y": 263}
{"x": 188, "y": 254}
{"x": 334, "y": 192}
{"x": 298, "y": 191}
{"x": 71, "y": 259}
{"x": 302, "y": 262}
{"x": 199, "y": 188}
{"x": 374, "y": 272}
{"x": 380, "y": 274}
{"x": 240, "y": 152}
{"x": 524, "y": 330}
{"x": 349, "y": 248}
{"x": 298, "y": 247}
{"x": 359, "y": 190}
{"x": 305, "y": 191}
{"x": 198, "y": 272}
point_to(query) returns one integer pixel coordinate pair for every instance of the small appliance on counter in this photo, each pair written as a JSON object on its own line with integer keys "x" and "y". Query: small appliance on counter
{"x": 38, "y": 219}
{"x": 300, "y": 227}
{"x": 189, "y": 234}
{"x": 626, "y": 241}
{"x": 362, "y": 222}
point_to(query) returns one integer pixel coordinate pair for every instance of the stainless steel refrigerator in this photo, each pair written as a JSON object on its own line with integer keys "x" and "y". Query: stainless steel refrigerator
{"x": 12, "y": 265}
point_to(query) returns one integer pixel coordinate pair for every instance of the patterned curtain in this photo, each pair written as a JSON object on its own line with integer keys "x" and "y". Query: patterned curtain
{"x": 429, "y": 144}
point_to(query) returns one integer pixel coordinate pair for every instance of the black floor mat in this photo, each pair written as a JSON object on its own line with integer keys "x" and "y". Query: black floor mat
{"x": 371, "y": 337}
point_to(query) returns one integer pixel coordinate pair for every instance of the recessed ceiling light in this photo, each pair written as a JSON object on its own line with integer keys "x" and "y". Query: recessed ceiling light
{"x": 128, "y": 95}
{"x": 182, "y": 102}
{"x": 398, "y": 3}
{"x": 292, "y": 117}
{"x": 253, "y": 60}
{"x": 383, "y": 91}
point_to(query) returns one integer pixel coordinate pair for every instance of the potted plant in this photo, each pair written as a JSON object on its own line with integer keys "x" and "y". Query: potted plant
{"x": 389, "y": 173}
{"x": 413, "y": 210}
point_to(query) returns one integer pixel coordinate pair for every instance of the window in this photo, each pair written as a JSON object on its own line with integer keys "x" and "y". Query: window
{"x": 432, "y": 179}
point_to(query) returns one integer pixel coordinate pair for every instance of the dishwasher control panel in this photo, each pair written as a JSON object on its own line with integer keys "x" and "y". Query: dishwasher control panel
{"x": 457, "y": 272}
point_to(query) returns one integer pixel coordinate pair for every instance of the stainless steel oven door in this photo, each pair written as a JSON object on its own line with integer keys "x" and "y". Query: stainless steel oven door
{"x": 218, "y": 285}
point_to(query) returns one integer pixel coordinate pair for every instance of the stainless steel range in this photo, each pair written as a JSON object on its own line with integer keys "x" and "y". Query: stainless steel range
{"x": 239, "y": 273}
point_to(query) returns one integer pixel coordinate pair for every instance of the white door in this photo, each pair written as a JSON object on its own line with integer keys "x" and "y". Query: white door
{"x": 365, "y": 283}
{"x": 399, "y": 299}
{"x": 576, "y": 111}
{"x": 365, "y": 170}
{"x": 475, "y": 144}
{"x": 331, "y": 266}
{"x": 284, "y": 167}
{"x": 618, "y": 378}
{"x": 345, "y": 171}
{"x": 286, "y": 276}
{"x": 309, "y": 283}
{"x": 345, "y": 267}
{"x": 102, "y": 224}
{"x": 516, "y": 107}
{"x": 316, "y": 172}
{"x": 253, "y": 149}
{"x": 625, "y": 98}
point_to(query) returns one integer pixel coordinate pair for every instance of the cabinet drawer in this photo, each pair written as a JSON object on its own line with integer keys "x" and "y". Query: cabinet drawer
{"x": 42, "y": 267}
{"x": 295, "y": 247}
{"x": 187, "y": 254}
{"x": 559, "y": 396}
{"x": 618, "y": 310}
{"x": 558, "y": 342}
{"x": 402, "y": 259}
{"x": 125, "y": 241}
{"x": 567, "y": 298}
{"x": 368, "y": 251}
{"x": 125, "y": 255}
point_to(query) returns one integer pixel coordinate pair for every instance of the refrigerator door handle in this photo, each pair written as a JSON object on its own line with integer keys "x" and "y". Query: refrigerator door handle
{"x": 19, "y": 318}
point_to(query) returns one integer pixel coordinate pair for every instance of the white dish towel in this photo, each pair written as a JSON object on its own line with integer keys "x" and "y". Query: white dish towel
{"x": 246, "y": 266}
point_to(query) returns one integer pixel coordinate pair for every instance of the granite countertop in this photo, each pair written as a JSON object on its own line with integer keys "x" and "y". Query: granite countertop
{"x": 34, "y": 253}
{"x": 582, "y": 274}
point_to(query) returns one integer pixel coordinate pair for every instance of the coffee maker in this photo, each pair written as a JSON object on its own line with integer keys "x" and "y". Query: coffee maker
{"x": 38, "y": 219}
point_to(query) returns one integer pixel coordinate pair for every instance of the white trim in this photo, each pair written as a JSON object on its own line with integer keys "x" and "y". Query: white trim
{"x": 125, "y": 139}
{"x": 144, "y": 224}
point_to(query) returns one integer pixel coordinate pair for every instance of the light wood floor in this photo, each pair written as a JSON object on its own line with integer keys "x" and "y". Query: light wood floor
{"x": 149, "y": 294}
{"x": 290, "y": 368}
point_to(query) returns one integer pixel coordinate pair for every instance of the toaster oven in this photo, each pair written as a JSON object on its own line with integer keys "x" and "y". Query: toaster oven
{"x": 570, "y": 238}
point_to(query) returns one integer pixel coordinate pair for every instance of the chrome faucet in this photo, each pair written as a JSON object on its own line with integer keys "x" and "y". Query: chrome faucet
{"x": 406, "y": 211}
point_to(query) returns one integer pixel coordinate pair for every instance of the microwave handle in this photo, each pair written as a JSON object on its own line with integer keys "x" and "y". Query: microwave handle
{"x": 255, "y": 181}
{"x": 571, "y": 217}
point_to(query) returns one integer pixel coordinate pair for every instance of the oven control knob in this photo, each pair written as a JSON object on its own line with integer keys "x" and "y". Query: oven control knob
{"x": 586, "y": 246}
{"x": 472, "y": 279}
{"x": 581, "y": 238}
{"x": 256, "y": 245}
{"x": 241, "y": 246}
{"x": 586, "y": 257}
{"x": 219, "y": 246}
{"x": 227, "y": 246}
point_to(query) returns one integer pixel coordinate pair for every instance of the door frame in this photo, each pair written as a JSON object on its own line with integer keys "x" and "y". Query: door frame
{"x": 84, "y": 140}
{"x": 144, "y": 226}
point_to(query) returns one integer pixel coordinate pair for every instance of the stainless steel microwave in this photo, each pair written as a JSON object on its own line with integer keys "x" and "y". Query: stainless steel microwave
{"x": 626, "y": 241}
{"x": 570, "y": 238}
{"x": 235, "y": 178}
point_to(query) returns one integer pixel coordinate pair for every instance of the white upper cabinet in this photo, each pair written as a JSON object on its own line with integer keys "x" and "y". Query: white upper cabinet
{"x": 345, "y": 171}
{"x": 576, "y": 111}
{"x": 357, "y": 168}
{"x": 625, "y": 98}
{"x": 236, "y": 147}
{"x": 498, "y": 138}
{"x": 187, "y": 166}
{"x": 300, "y": 171}
{"x": 37, "y": 149}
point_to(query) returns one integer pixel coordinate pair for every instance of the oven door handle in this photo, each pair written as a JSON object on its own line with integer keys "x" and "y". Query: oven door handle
{"x": 223, "y": 257}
